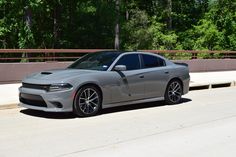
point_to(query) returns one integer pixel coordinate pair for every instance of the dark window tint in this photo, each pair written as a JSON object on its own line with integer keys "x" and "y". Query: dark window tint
{"x": 131, "y": 61}
{"x": 150, "y": 61}
{"x": 95, "y": 61}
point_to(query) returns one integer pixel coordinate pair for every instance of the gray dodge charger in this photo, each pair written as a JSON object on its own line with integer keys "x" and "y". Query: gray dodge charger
{"x": 105, "y": 79}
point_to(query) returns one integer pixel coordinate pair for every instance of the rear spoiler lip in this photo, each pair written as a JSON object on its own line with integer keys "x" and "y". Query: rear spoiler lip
{"x": 184, "y": 64}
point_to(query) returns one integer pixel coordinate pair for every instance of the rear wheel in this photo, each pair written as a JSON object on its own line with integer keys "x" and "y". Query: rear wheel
{"x": 173, "y": 92}
{"x": 87, "y": 101}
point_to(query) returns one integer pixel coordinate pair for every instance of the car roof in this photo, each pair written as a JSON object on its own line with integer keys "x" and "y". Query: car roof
{"x": 124, "y": 52}
{"x": 142, "y": 52}
{"x": 134, "y": 52}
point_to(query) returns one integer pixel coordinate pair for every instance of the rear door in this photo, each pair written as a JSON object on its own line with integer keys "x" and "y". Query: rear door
{"x": 156, "y": 75}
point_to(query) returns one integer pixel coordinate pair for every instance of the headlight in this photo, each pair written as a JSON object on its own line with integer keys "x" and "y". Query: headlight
{"x": 59, "y": 87}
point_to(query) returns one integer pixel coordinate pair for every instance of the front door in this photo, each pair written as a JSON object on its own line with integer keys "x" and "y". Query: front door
{"x": 131, "y": 83}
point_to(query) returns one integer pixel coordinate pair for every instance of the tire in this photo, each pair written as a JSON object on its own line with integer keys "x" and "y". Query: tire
{"x": 87, "y": 101}
{"x": 173, "y": 92}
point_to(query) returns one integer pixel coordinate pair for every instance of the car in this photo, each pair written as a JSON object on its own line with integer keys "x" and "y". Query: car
{"x": 105, "y": 79}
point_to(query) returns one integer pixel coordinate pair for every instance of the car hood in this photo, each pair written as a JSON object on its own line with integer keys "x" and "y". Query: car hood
{"x": 59, "y": 75}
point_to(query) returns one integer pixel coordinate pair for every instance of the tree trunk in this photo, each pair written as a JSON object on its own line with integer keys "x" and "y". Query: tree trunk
{"x": 28, "y": 17}
{"x": 127, "y": 11}
{"x": 117, "y": 26}
{"x": 72, "y": 13}
{"x": 56, "y": 16}
{"x": 169, "y": 12}
{"x": 28, "y": 24}
{"x": 56, "y": 27}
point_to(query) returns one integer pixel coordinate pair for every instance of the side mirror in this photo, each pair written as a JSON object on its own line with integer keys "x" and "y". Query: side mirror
{"x": 120, "y": 68}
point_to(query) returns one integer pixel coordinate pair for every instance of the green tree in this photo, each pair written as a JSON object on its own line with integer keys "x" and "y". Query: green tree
{"x": 207, "y": 36}
{"x": 144, "y": 24}
{"x": 216, "y": 30}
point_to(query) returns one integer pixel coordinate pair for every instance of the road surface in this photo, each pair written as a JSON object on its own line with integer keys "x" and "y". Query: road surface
{"x": 203, "y": 125}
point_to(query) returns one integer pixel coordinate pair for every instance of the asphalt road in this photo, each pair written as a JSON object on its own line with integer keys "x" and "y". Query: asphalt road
{"x": 203, "y": 125}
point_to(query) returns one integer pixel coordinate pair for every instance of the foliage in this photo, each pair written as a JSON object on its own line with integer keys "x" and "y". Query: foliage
{"x": 207, "y": 36}
{"x": 144, "y": 24}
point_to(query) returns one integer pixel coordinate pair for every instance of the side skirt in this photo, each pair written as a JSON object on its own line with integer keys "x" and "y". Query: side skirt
{"x": 132, "y": 102}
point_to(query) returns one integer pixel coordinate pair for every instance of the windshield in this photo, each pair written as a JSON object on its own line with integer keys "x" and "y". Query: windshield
{"x": 95, "y": 61}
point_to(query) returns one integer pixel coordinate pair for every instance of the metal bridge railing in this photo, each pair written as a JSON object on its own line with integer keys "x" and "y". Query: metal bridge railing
{"x": 42, "y": 55}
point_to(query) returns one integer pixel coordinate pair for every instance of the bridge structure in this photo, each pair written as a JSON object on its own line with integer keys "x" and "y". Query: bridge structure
{"x": 208, "y": 69}
{"x": 15, "y": 64}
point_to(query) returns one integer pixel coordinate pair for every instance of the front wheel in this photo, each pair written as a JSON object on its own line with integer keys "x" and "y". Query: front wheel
{"x": 173, "y": 92}
{"x": 87, "y": 101}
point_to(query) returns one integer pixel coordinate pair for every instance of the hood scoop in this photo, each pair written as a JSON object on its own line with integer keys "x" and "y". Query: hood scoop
{"x": 46, "y": 73}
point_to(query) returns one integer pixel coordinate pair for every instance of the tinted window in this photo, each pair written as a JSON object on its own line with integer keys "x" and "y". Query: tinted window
{"x": 95, "y": 61}
{"x": 131, "y": 61}
{"x": 150, "y": 61}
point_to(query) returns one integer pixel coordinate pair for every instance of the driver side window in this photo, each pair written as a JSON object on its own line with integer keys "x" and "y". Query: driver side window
{"x": 131, "y": 61}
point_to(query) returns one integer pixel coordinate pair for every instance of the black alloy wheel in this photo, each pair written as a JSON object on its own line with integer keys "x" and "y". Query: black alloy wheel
{"x": 173, "y": 92}
{"x": 87, "y": 101}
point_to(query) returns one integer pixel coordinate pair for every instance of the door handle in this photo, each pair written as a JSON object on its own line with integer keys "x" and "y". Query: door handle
{"x": 166, "y": 72}
{"x": 141, "y": 76}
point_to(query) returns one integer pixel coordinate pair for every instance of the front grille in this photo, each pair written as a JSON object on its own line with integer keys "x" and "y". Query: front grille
{"x": 36, "y": 86}
{"x": 33, "y": 100}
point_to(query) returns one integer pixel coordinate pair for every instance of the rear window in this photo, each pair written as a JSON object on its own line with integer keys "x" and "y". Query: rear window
{"x": 150, "y": 61}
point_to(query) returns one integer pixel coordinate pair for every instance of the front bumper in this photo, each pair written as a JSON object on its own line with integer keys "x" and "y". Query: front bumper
{"x": 60, "y": 101}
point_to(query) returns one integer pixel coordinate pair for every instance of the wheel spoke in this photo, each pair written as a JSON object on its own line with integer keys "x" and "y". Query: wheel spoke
{"x": 177, "y": 93}
{"x": 172, "y": 97}
{"x": 92, "y": 95}
{"x": 83, "y": 106}
{"x": 93, "y": 108}
{"x": 175, "y": 98}
{"x": 172, "y": 86}
{"x": 85, "y": 94}
{"x": 88, "y": 93}
{"x": 93, "y": 99}
{"x": 94, "y": 104}
{"x": 176, "y": 87}
{"x": 87, "y": 109}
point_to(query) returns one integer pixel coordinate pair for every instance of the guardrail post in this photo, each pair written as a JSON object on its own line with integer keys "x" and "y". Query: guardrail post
{"x": 194, "y": 55}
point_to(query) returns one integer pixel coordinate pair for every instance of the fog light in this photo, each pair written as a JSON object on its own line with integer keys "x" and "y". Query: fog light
{"x": 56, "y": 104}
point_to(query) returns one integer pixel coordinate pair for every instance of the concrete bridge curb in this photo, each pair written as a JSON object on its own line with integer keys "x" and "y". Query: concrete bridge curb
{"x": 204, "y": 80}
